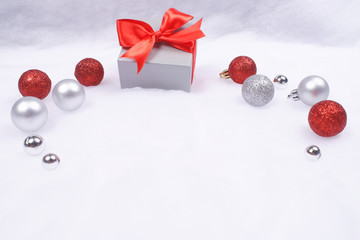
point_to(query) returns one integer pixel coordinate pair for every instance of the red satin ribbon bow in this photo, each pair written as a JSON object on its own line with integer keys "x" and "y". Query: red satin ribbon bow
{"x": 140, "y": 37}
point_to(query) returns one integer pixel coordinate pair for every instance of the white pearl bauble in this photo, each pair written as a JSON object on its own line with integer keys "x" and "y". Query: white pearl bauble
{"x": 51, "y": 161}
{"x": 29, "y": 114}
{"x": 313, "y": 89}
{"x": 312, "y": 152}
{"x": 34, "y": 145}
{"x": 68, "y": 94}
{"x": 280, "y": 81}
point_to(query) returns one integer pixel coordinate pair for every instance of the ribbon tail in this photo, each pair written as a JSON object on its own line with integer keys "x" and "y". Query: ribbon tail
{"x": 140, "y": 51}
{"x": 193, "y": 62}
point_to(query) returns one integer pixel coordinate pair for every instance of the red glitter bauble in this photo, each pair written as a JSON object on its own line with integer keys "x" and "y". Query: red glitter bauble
{"x": 327, "y": 118}
{"x": 34, "y": 83}
{"x": 89, "y": 72}
{"x": 241, "y": 68}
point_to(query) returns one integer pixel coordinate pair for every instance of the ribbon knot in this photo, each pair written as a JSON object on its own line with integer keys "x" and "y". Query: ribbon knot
{"x": 157, "y": 36}
{"x": 140, "y": 38}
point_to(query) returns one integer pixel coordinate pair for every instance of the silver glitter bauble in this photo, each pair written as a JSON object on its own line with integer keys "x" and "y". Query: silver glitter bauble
{"x": 258, "y": 90}
{"x": 50, "y": 161}
{"x": 34, "y": 145}
{"x": 29, "y": 114}
{"x": 68, "y": 94}
{"x": 312, "y": 152}
{"x": 311, "y": 90}
{"x": 280, "y": 81}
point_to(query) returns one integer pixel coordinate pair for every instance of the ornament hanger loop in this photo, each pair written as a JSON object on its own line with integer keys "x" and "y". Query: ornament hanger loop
{"x": 294, "y": 95}
{"x": 224, "y": 74}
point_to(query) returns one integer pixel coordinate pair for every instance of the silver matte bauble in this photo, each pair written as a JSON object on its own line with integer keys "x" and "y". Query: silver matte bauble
{"x": 29, "y": 114}
{"x": 50, "y": 161}
{"x": 68, "y": 94}
{"x": 34, "y": 145}
{"x": 258, "y": 90}
{"x": 312, "y": 152}
{"x": 280, "y": 81}
{"x": 311, "y": 90}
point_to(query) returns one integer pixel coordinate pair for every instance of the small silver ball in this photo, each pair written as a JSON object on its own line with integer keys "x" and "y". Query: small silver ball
{"x": 51, "y": 161}
{"x": 313, "y": 89}
{"x": 280, "y": 81}
{"x": 29, "y": 114}
{"x": 258, "y": 90}
{"x": 68, "y": 94}
{"x": 312, "y": 152}
{"x": 34, "y": 145}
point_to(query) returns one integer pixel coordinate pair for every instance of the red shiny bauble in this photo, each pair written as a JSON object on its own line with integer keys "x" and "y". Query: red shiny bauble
{"x": 89, "y": 72}
{"x": 327, "y": 118}
{"x": 34, "y": 83}
{"x": 241, "y": 68}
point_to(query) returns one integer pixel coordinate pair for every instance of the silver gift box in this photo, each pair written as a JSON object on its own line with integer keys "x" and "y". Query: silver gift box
{"x": 166, "y": 68}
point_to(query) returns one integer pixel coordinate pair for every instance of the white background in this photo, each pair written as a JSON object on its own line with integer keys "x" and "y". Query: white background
{"x": 153, "y": 164}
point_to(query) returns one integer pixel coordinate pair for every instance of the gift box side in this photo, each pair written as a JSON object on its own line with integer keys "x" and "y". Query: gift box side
{"x": 166, "y": 68}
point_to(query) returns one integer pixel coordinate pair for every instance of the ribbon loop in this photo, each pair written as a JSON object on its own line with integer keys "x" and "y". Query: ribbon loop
{"x": 173, "y": 19}
{"x": 140, "y": 37}
{"x": 130, "y": 32}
